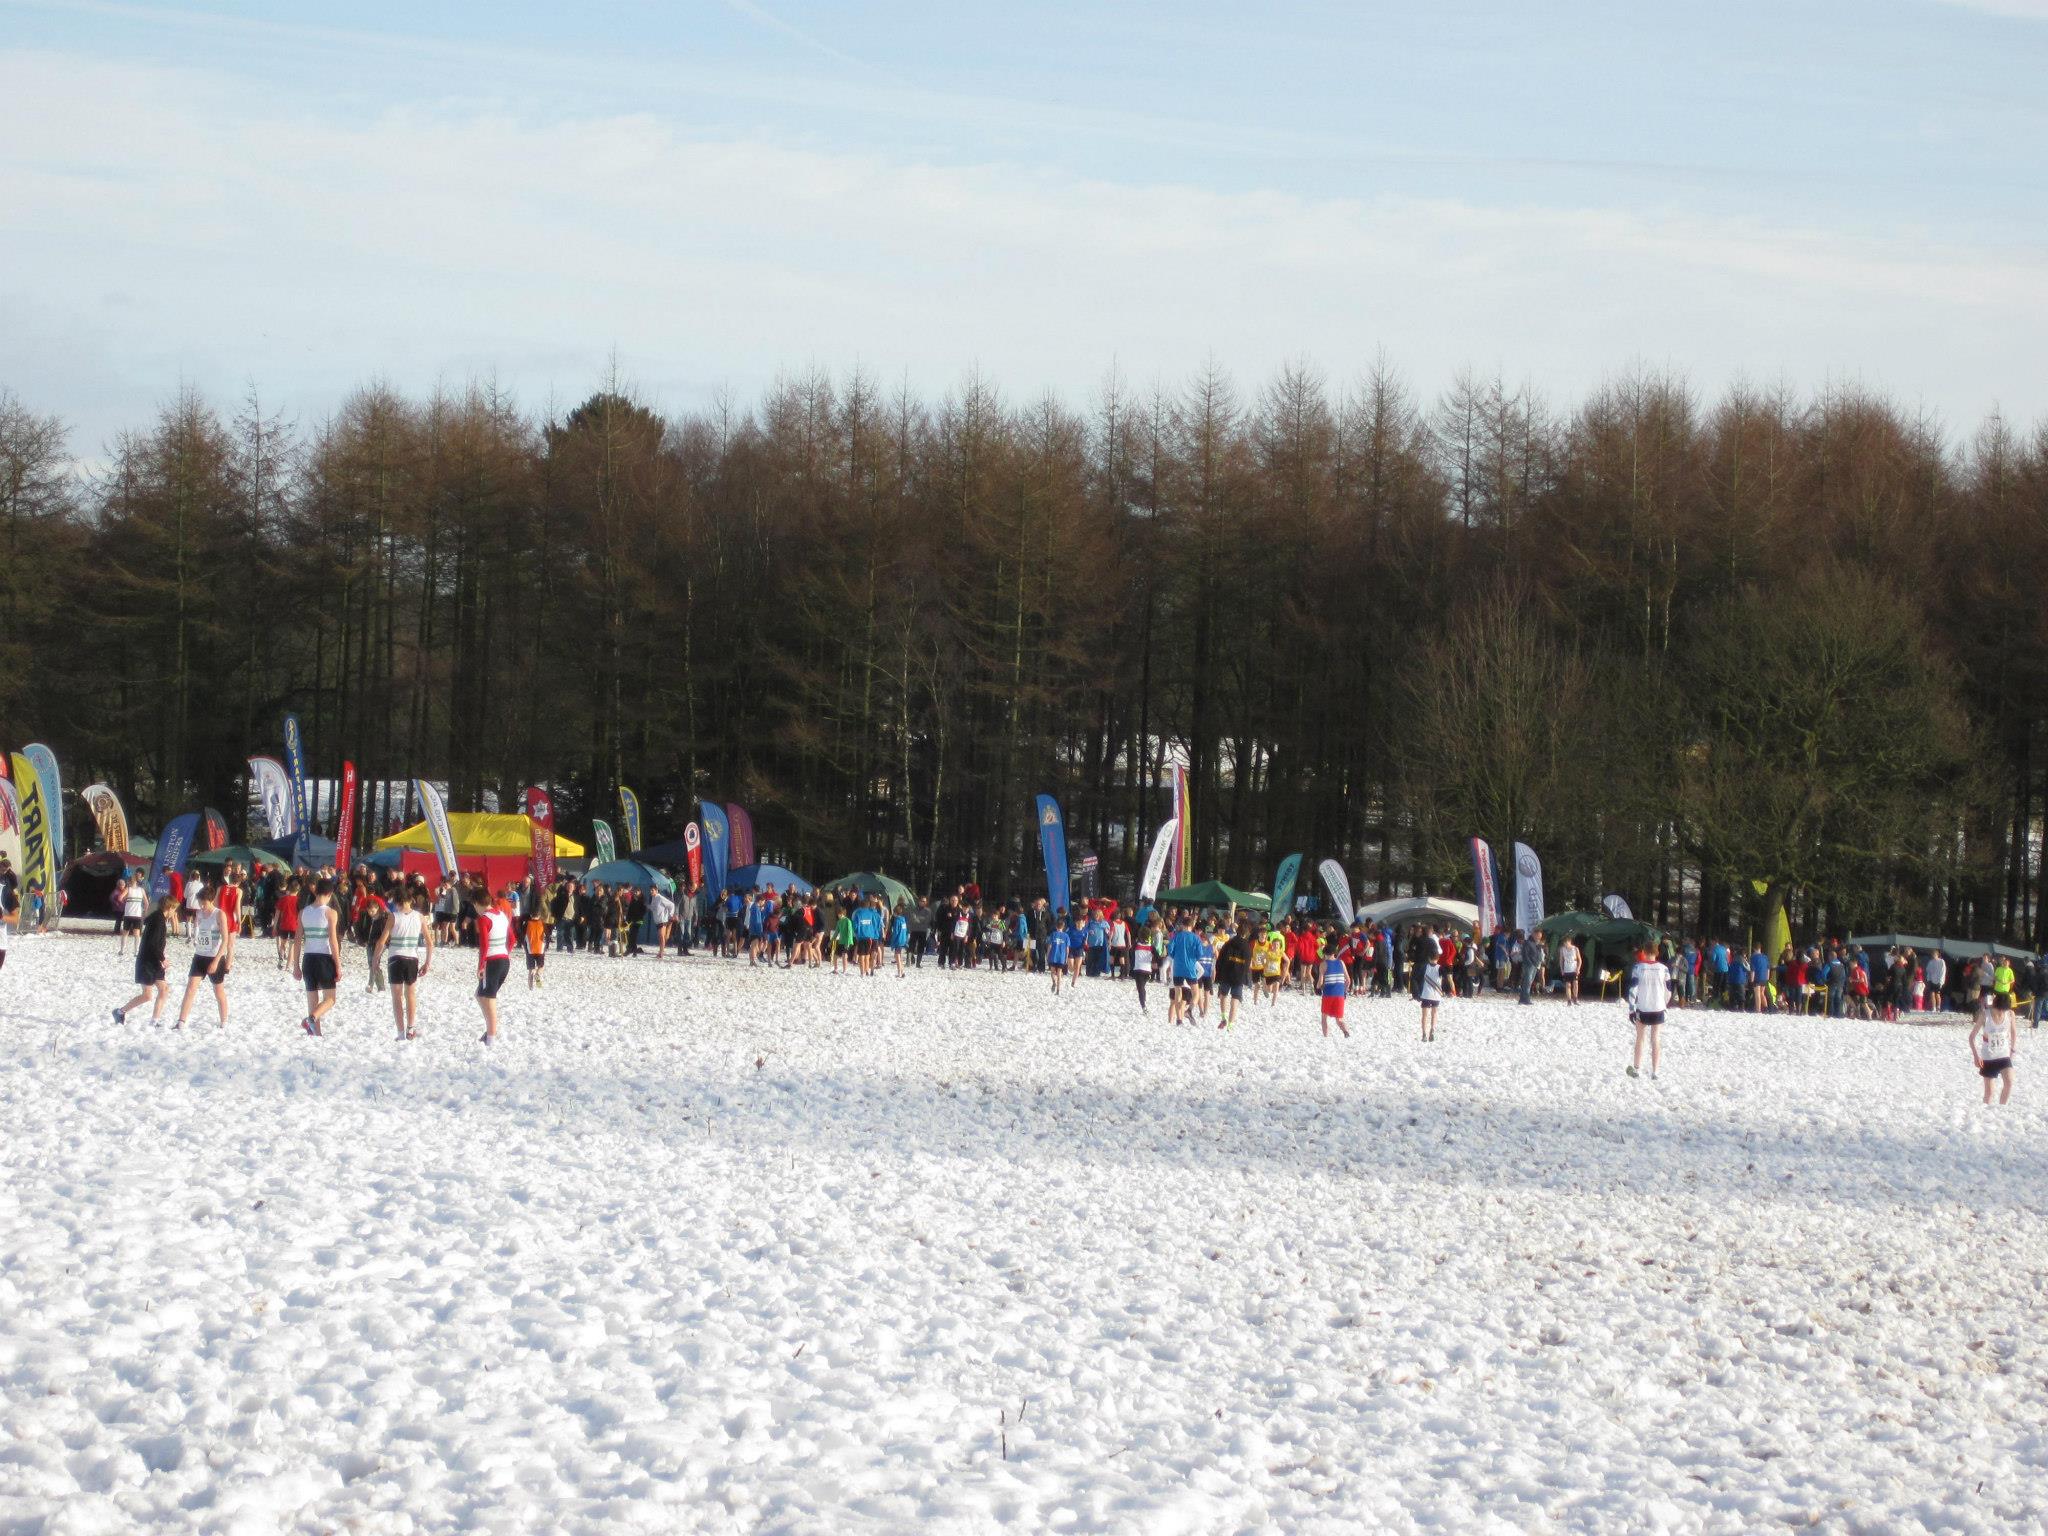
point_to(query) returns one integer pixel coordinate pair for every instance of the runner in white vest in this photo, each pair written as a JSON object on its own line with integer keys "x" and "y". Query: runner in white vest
{"x": 1994, "y": 1042}
{"x": 134, "y": 908}
{"x": 408, "y": 952}
{"x": 316, "y": 955}
{"x": 213, "y": 953}
{"x": 1649, "y": 994}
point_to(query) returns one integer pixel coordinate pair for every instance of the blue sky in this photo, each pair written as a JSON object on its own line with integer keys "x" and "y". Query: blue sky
{"x": 306, "y": 198}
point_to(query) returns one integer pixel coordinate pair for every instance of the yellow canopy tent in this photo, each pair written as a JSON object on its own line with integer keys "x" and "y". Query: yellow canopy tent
{"x": 479, "y": 835}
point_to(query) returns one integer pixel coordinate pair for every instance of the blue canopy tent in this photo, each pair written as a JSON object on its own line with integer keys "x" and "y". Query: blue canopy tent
{"x": 751, "y": 877}
{"x": 673, "y": 854}
{"x": 630, "y": 872}
{"x": 319, "y": 849}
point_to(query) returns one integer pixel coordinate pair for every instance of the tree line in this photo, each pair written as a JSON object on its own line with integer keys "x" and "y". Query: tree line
{"x": 1719, "y": 656}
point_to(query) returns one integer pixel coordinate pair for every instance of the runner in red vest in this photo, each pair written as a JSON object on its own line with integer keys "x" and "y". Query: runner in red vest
{"x": 493, "y": 958}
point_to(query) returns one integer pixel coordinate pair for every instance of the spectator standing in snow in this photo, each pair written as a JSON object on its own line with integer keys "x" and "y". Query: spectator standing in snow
{"x": 661, "y": 913}
{"x": 1429, "y": 992}
{"x": 1759, "y": 980}
{"x": 1568, "y": 966}
{"x": 1936, "y": 972}
{"x": 1525, "y": 966}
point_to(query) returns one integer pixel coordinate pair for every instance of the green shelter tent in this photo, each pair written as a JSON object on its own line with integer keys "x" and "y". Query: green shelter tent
{"x": 1608, "y": 942}
{"x": 242, "y": 854}
{"x": 869, "y": 883}
{"x": 1213, "y": 893}
{"x": 1955, "y": 949}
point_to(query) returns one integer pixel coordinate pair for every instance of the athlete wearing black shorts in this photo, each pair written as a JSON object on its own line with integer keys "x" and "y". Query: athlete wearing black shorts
{"x": 494, "y": 959}
{"x": 149, "y": 966}
{"x": 316, "y": 955}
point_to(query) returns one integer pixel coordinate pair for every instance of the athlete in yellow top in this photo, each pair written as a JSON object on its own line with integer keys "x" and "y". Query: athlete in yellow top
{"x": 1272, "y": 963}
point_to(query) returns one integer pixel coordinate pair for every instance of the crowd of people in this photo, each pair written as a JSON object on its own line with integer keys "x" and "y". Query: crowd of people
{"x": 1209, "y": 964}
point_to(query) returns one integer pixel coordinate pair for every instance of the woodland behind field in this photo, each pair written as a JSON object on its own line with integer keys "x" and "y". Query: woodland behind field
{"x": 1677, "y": 645}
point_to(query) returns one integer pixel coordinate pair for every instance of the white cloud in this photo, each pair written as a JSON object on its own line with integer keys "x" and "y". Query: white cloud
{"x": 187, "y": 227}
{"x": 2025, "y": 10}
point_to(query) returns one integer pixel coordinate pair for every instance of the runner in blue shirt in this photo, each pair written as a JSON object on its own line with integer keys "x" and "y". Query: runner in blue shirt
{"x": 1056, "y": 957}
{"x": 755, "y": 920}
{"x": 1184, "y": 955}
{"x": 867, "y": 935}
{"x": 1205, "y": 981}
{"x": 899, "y": 938}
{"x": 735, "y": 909}
{"x": 1098, "y": 945}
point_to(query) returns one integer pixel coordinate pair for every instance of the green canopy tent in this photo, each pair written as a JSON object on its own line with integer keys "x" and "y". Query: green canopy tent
{"x": 1213, "y": 893}
{"x": 1970, "y": 949}
{"x": 869, "y": 883}
{"x": 1955, "y": 949}
{"x": 242, "y": 854}
{"x": 1920, "y": 943}
{"x": 631, "y": 872}
{"x": 1608, "y": 942}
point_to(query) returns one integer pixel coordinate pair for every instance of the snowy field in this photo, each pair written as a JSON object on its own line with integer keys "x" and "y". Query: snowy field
{"x": 704, "y": 1248}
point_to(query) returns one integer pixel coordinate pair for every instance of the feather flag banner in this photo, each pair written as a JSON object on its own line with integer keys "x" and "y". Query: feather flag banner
{"x": 1338, "y": 884}
{"x": 1155, "y": 866}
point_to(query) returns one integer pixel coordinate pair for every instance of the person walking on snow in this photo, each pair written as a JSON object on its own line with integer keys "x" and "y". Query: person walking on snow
{"x": 316, "y": 955}
{"x": 133, "y": 897}
{"x": 1649, "y": 995}
{"x": 1429, "y": 992}
{"x": 213, "y": 953}
{"x": 1144, "y": 957}
{"x": 1233, "y": 970}
{"x": 493, "y": 960}
{"x": 899, "y": 937}
{"x": 407, "y": 951}
{"x": 150, "y": 943}
{"x": 1994, "y": 1041}
{"x": 1336, "y": 986}
{"x": 1184, "y": 955}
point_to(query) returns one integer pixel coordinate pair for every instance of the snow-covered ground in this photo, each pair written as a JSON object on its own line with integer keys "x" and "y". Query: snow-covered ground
{"x": 705, "y": 1248}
